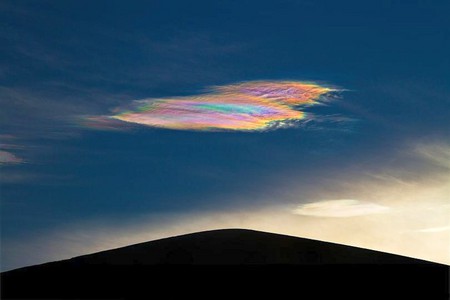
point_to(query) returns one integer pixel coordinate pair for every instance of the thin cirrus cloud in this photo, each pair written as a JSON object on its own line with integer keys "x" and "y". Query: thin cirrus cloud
{"x": 9, "y": 158}
{"x": 245, "y": 106}
{"x": 103, "y": 123}
{"x": 438, "y": 154}
{"x": 339, "y": 208}
{"x": 435, "y": 229}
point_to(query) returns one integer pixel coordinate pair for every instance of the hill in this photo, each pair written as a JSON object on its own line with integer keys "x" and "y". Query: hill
{"x": 225, "y": 260}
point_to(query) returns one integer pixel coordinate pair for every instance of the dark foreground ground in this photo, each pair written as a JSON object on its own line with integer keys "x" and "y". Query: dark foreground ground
{"x": 233, "y": 264}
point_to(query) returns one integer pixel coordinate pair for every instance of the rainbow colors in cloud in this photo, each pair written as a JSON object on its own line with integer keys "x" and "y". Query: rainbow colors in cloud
{"x": 246, "y": 106}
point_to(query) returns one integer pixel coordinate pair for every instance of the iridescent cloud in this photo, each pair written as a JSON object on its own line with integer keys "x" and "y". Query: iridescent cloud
{"x": 290, "y": 93}
{"x": 246, "y": 106}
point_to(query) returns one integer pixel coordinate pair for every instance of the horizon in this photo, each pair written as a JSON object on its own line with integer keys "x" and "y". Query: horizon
{"x": 295, "y": 251}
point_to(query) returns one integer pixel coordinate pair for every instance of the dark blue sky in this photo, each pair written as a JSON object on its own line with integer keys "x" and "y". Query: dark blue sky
{"x": 60, "y": 60}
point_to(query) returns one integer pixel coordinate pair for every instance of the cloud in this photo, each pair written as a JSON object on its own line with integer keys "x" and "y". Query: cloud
{"x": 434, "y": 229}
{"x": 339, "y": 209}
{"x": 103, "y": 123}
{"x": 438, "y": 153}
{"x": 8, "y": 143}
{"x": 9, "y": 158}
{"x": 246, "y": 106}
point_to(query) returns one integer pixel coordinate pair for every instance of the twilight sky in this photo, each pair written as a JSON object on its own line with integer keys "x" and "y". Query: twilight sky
{"x": 127, "y": 121}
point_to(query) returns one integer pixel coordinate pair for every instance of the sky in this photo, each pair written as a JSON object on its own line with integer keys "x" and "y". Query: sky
{"x": 128, "y": 121}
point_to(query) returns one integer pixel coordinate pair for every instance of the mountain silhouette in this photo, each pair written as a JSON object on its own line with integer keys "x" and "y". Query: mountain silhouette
{"x": 223, "y": 260}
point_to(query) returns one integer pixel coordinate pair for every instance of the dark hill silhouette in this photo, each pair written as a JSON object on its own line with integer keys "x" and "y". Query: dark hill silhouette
{"x": 237, "y": 247}
{"x": 223, "y": 259}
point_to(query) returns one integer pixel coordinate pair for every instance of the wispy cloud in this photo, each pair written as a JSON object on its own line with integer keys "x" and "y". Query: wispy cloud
{"x": 339, "y": 208}
{"x": 437, "y": 153}
{"x": 434, "y": 229}
{"x": 7, "y": 146}
{"x": 9, "y": 158}
{"x": 103, "y": 123}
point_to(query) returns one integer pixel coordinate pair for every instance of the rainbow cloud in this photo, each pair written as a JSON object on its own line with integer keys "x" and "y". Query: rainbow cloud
{"x": 246, "y": 106}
